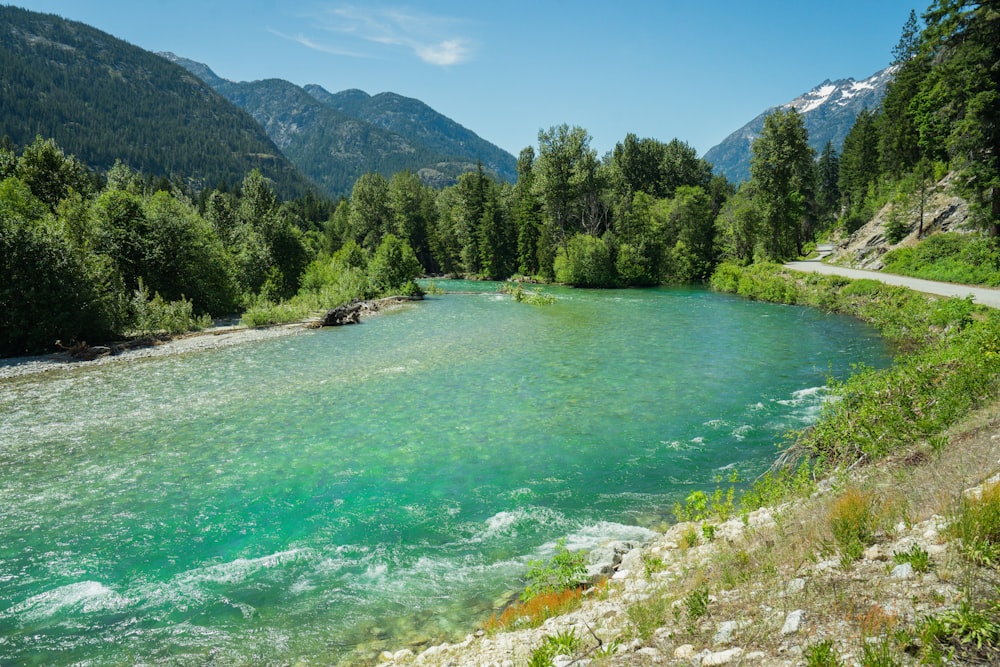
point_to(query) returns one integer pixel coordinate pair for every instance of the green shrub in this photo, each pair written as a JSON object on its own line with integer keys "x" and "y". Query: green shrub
{"x": 821, "y": 654}
{"x": 646, "y": 616}
{"x": 585, "y": 261}
{"x": 566, "y": 569}
{"x": 853, "y": 521}
{"x": 967, "y": 624}
{"x": 696, "y": 605}
{"x": 156, "y": 315}
{"x": 951, "y": 257}
{"x": 879, "y": 653}
{"x": 394, "y": 267}
{"x": 917, "y": 557}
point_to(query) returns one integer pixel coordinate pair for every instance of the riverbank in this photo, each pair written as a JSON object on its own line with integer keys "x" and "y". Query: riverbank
{"x": 769, "y": 588}
{"x": 223, "y": 335}
{"x": 904, "y": 583}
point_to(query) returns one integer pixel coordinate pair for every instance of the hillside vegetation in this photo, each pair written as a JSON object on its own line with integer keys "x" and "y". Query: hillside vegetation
{"x": 102, "y": 99}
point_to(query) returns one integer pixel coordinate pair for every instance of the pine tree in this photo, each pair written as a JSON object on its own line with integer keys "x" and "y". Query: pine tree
{"x": 783, "y": 177}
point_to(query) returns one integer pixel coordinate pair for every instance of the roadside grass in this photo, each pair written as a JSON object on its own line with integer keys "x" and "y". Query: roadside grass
{"x": 971, "y": 259}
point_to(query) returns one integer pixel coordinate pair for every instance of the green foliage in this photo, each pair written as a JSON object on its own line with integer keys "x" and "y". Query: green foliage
{"x": 821, "y": 654}
{"x": 646, "y": 616}
{"x": 976, "y": 525}
{"x": 541, "y": 656}
{"x": 66, "y": 81}
{"x": 782, "y": 181}
{"x": 533, "y": 297}
{"x": 897, "y": 226}
{"x": 566, "y": 643}
{"x": 585, "y": 261}
{"x": 776, "y": 485}
{"x": 696, "y": 604}
{"x": 155, "y": 315}
{"x": 962, "y": 628}
{"x": 954, "y": 367}
{"x": 917, "y": 557}
{"x": 652, "y": 564}
{"x": 700, "y": 505}
{"x": 763, "y": 282}
{"x": 50, "y": 290}
{"x": 853, "y": 521}
{"x": 879, "y": 653}
{"x": 566, "y": 569}
{"x": 394, "y": 267}
{"x": 972, "y": 259}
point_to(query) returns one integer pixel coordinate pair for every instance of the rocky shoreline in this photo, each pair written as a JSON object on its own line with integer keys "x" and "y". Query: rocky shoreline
{"x": 224, "y": 335}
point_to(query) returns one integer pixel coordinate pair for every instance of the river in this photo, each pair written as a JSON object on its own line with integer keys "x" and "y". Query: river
{"x": 322, "y": 496}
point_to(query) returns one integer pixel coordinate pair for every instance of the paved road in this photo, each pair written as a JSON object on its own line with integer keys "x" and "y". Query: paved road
{"x": 981, "y": 295}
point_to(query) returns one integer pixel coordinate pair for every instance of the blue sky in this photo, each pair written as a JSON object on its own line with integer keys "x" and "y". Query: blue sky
{"x": 696, "y": 71}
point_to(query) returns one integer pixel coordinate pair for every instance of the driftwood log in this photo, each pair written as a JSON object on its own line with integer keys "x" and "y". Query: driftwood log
{"x": 352, "y": 312}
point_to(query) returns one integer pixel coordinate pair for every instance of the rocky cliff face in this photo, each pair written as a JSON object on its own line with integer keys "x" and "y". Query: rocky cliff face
{"x": 828, "y": 111}
{"x": 942, "y": 212}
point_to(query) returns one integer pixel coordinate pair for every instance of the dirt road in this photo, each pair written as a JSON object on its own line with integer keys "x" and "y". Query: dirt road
{"x": 982, "y": 295}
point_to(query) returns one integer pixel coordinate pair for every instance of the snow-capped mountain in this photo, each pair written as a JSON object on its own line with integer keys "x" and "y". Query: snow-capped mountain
{"x": 828, "y": 112}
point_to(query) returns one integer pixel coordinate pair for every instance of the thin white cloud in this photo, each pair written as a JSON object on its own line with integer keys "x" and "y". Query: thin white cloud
{"x": 433, "y": 39}
{"x": 316, "y": 46}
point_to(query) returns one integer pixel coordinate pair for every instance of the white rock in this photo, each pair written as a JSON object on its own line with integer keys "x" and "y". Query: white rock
{"x": 403, "y": 655}
{"x": 650, "y": 653}
{"x": 796, "y": 585}
{"x": 755, "y": 656}
{"x": 874, "y": 553}
{"x": 385, "y": 656}
{"x": 724, "y": 634}
{"x": 721, "y": 658}
{"x": 760, "y": 518}
{"x": 684, "y": 652}
{"x": 902, "y": 571}
{"x": 792, "y": 622}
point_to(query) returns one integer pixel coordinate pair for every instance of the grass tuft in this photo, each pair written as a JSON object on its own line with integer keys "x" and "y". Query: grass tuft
{"x": 853, "y": 520}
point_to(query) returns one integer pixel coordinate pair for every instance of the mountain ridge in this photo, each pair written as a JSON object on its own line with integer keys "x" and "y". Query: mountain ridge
{"x": 336, "y": 137}
{"x": 66, "y": 80}
{"x": 828, "y": 112}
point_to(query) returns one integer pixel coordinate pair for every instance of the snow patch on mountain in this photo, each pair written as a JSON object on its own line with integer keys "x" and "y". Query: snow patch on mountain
{"x": 828, "y": 112}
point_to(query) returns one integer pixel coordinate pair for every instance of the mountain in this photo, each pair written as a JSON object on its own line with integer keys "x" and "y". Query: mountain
{"x": 828, "y": 112}
{"x": 335, "y": 138}
{"x": 420, "y": 123}
{"x": 103, "y": 99}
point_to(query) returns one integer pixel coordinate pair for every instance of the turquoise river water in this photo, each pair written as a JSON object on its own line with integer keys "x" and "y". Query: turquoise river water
{"x": 319, "y": 497}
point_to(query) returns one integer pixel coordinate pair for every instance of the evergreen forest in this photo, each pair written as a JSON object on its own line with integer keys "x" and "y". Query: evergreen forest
{"x": 95, "y": 255}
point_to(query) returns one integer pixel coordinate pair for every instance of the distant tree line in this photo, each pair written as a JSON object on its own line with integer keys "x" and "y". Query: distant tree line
{"x": 88, "y": 257}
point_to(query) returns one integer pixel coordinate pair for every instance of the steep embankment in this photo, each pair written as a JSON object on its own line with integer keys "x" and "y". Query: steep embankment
{"x": 936, "y": 210}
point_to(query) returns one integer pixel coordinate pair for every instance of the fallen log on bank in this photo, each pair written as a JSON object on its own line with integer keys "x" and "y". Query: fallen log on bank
{"x": 351, "y": 313}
